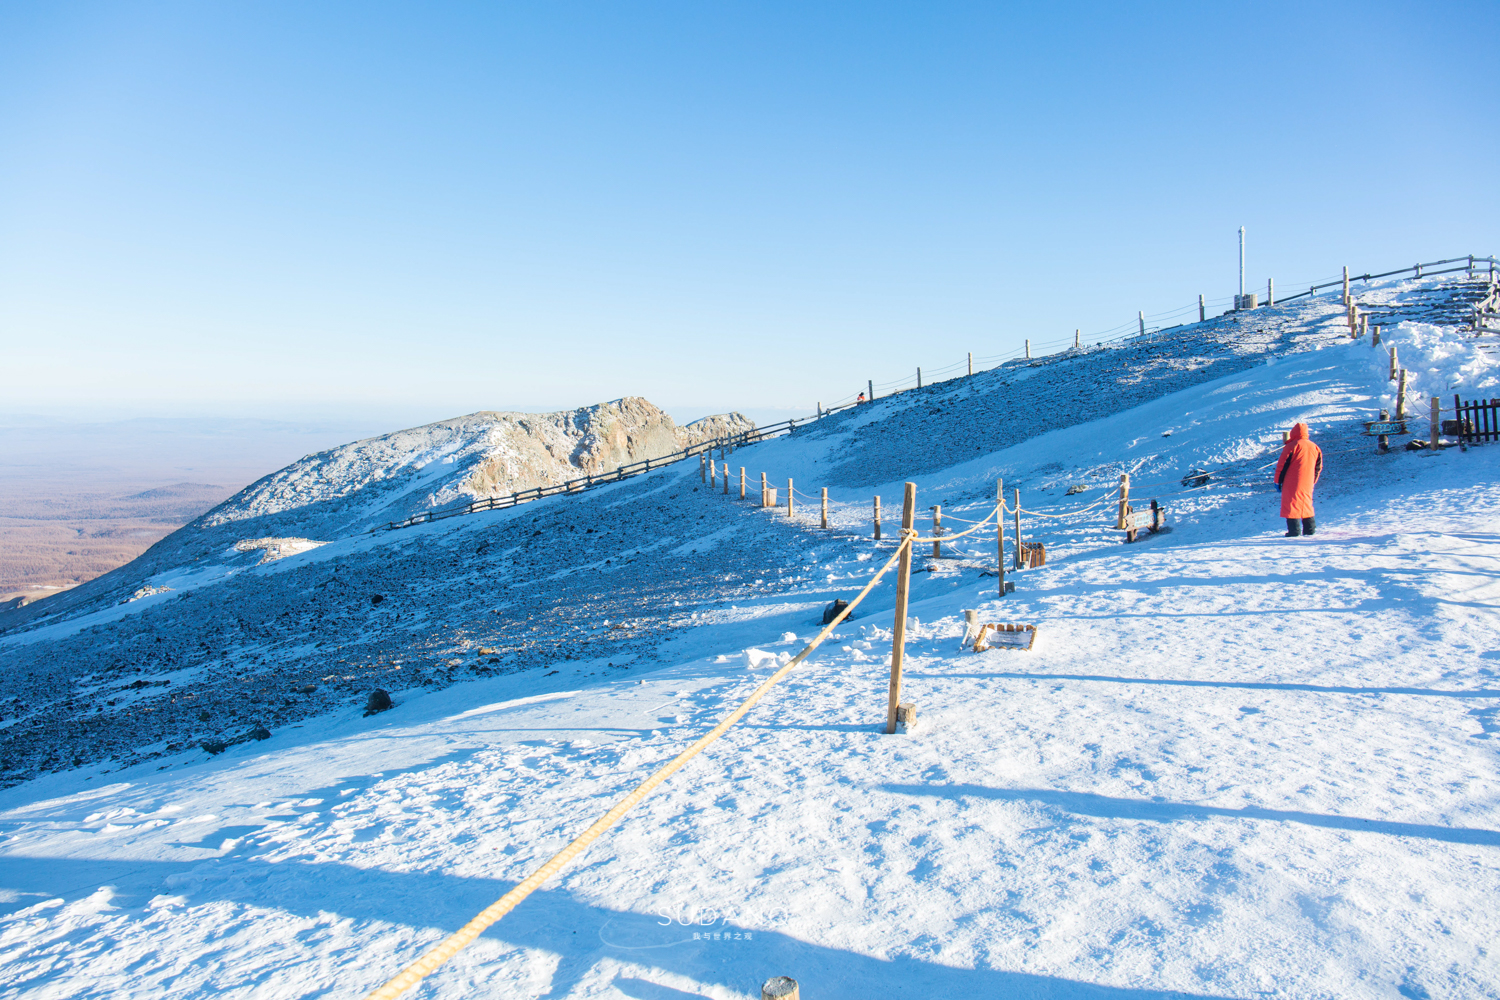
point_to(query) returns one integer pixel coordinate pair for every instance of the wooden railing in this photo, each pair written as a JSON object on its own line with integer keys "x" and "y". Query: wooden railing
{"x": 730, "y": 442}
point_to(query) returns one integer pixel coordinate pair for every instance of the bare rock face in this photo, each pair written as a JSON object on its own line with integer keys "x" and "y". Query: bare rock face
{"x": 717, "y": 426}
{"x": 533, "y": 450}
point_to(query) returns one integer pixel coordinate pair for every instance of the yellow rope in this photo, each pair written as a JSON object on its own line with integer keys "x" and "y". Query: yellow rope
{"x": 949, "y": 538}
{"x": 462, "y": 938}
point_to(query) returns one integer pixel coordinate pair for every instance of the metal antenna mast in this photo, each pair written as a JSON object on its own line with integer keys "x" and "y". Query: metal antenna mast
{"x": 1242, "y": 267}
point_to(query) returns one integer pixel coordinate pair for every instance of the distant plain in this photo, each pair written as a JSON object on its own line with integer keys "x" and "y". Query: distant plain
{"x": 80, "y": 499}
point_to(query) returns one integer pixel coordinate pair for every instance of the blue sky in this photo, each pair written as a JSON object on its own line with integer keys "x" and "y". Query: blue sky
{"x": 409, "y": 211}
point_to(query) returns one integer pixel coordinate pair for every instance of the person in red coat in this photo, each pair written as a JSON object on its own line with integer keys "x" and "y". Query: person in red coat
{"x": 1298, "y": 471}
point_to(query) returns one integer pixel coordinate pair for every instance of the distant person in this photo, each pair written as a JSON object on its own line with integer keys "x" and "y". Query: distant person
{"x": 1298, "y": 471}
{"x": 861, "y": 399}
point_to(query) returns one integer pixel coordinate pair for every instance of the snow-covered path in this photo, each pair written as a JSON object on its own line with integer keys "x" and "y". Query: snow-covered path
{"x": 1234, "y": 767}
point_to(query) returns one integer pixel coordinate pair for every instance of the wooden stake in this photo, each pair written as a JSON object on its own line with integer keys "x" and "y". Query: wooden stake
{"x": 780, "y": 988}
{"x": 1401, "y": 397}
{"x": 971, "y": 362}
{"x": 877, "y": 519}
{"x": 1000, "y": 532}
{"x": 1202, "y": 315}
{"x": 1077, "y": 334}
{"x": 1018, "y": 529}
{"x": 1124, "y": 499}
{"x": 1141, "y": 315}
{"x": 903, "y": 588}
{"x": 1384, "y": 441}
{"x": 1375, "y": 342}
{"x": 764, "y": 491}
{"x": 1346, "y": 285}
{"x": 702, "y": 470}
{"x": 1393, "y": 364}
{"x": 1437, "y": 425}
{"x": 726, "y": 479}
{"x": 872, "y": 390}
{"x": 825, "y": 506}
{"x": 742, "y": 482}
{"x": 1364, "y": 323}
{"x": 713, "y": 473}
{"x": 937, "y": 531}
{"x": 919, "y": 378}
{"x": 788, "y": 498}
{"x": 1028, "y": 347}
{"x": 1270, "y": 291}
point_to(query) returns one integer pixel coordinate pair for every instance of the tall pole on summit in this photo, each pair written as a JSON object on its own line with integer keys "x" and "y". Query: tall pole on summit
{"x": 1242, "y": 268}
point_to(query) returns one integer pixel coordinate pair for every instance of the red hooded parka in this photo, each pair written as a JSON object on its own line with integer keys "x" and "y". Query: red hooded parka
{"x": 1298, "y": 471}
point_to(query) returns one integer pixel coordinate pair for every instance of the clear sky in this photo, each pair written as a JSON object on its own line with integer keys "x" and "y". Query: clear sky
{"x": 414, "y": 211}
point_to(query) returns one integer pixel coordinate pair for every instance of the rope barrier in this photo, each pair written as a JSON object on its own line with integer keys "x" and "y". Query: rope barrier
{"x": 462, "y": 938}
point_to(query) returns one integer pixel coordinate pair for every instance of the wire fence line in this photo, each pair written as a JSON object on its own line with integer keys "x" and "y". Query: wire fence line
{"x": 1133, "y": 332}
{"x": 1150, "y": 326}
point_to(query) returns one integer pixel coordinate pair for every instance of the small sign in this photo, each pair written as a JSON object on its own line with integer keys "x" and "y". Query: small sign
{"x": 1385, "y": 427}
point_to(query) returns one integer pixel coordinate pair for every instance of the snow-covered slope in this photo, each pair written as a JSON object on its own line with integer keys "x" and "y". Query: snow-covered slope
{"x": 1236, "y": 764}
{"x": 349, "y": 489}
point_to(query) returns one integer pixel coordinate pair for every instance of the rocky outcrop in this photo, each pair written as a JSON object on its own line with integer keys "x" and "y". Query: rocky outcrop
{"x": 717, "y": 426}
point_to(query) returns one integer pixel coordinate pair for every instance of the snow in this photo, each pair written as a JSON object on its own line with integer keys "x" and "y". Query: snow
{"x": 1234, "y": 765}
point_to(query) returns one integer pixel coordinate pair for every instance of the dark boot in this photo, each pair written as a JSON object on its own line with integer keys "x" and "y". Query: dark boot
{"x": 1293, "y": 527}
{"x": 1309, "y": 526}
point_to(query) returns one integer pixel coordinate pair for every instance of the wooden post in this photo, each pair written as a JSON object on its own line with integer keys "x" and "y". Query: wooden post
{"x": 1000, "y": 532}
{"x": 1270, "y": 291}
{"x": 1142, "y": 317}
{"x": 1384, "y": 441}
{"x": 1401, "y": 397}
{"x": 919, "y": 378}
{"x": 742, "y": 482}
{"x": 1346, "y": 284}
{"x": 1018, "y": 529}
{"x": 1393, "y": 364}
{"x": 872, "y": 390}
{"x": 820, "y": 411}
{"x": 877, "y": 519}
{"x": 825, "y": 506}
{"x": 1202, "y": 314}
{"x": 1028, "y": 347}
{"x": 1437, "y": 423}
{"x": 1286, "y": 436}
{"x": 1077, "y": 336}
{"x": 1375, "y": 337}
{"x": 1418, "y": 269}
{"x": 764, "y": 491}
{"x": 903, "y": 588}
{"x": 971, "y": 362}
{"x": 702, "y": 471}
{"x": 937, "y": 531}
{"x": 713, "y": 472}
{"x": 1124, "y": 499}
{"x": 726, "y": 479}
{"x": 780, "y": 988}
{"x": 788, "y": 498}
{"x": 1364, "y": 324}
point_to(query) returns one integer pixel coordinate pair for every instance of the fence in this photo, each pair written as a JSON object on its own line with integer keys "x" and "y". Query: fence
{"x": 1149, "y": 327}
{"x": 724, "y": 444}
{"x": 727, "y": 444}
{"x": 895, "y": 708}
{"x": 1475, "y": 422}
